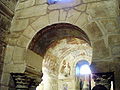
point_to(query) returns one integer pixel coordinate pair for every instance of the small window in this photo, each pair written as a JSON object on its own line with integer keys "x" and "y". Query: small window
{"x": 53, "y": 1}
{"x": 59, "y": 1}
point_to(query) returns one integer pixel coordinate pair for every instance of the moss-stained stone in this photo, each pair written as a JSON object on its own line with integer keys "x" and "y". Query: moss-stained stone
{"x": 23, "y": 41}
{"x": 111, "y": 25}
{"x": 100, "y": 51}
{"x": 25, "y": 4}
{"x": 73, "y": 16}
{"x": 53, "y": 16}
{"x": 29, "y": 32}
{"x": 18, "y": 55}
{"x": 19, "y": 25}
{"x": 40, "y": 23}
{"x": 32, "y": 11}
{"x": 116, "y": 50}
{"x": 94, "y": 31}
{"x": 102, "y": 9}
{"x": 114, "y": 40}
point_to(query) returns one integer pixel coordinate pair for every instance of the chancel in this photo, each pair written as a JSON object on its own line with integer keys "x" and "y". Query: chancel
{"x": 59, "y": 44}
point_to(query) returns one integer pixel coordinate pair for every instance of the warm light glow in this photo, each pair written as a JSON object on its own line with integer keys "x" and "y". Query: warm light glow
{"x": 85, "y": 69}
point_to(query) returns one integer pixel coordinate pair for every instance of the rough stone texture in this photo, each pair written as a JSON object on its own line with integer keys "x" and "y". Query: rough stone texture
{"x": 40, "y": 23}
{"x": 6, "y": 14}
{"x": 53, "y": 16}
{"x": 29, "y": 32}
{"x": 19, "y": 25}
{"x": 98, "y": 18}
{"x": 111, "y": 25}
{"x": 5, "y": 25}
{"x": 41, "y": 1}
{"x": 34, "y": 61}
{"x": 23, "y": 41}
{"x": 114, "y": 40}
{"x": 25, "y": 4}
{"x": 32, "y": 19}
{"x": 81, "y": 7}
{"x": 94, "y": 31}
{"x": 18, "y": 55}
{"x": 102, "y": 9}
{"x": 32, "y": 11}
{"x": 10, "y": 4}
{"x": 82, "y": 20}
{"x": 100, "y": 51}
{"x": 73, "y": 16}
{"x": 63, "y": 15}
{"x": 9, "y": 53}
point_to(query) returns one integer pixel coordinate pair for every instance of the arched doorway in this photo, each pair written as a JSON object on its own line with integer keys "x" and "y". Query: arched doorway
{"x": 61, "y": 46}
{"x": 83, "y": 75}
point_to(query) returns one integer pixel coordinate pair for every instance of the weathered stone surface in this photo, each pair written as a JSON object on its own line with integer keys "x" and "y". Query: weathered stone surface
{"x": 18, "y": 68}
{"x": 63, "y": 15}
{"x": 34, "y": 60}
{"x": 102, "y": 9}
{"x": 5, "y": 25}
{"x": 94, "y": 31}
{"x": 29, "y": 32}
{"x": 40, "y": 23}
{"x": 10, "y": 4}
{"x": 81, "y": 7}
{"x": 114, "y": 40}
{"x": 15, "y": 68}
{"x": 116, "y": 50}
{"x": 8, "y": 54}
{"x": 19, "y": 25}
{"x": 100, "y": 50}
{"x": 11, "y": 41}
{"x": 82, "y": 20}
{"x": 32, "y": 11}
{"x": 111, "y": 25}
{"x": 32, "y": 19}
{"x": 41, "y": 1}
{"x": 5, "y": 78}
{"x": 18, "y": 54}
{"x": 53, "y": 16}
{"x": 72, "y": 16}
{"x": 25, "y": 4}
{"x": 23, "y": 41}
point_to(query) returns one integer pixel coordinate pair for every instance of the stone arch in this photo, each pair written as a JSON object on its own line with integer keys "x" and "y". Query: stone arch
{"x": 53, "y": 33}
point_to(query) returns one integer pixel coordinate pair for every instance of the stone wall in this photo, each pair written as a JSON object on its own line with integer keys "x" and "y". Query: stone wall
{"x": 99, "y": 19}
{"x": 6, "y": 14}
